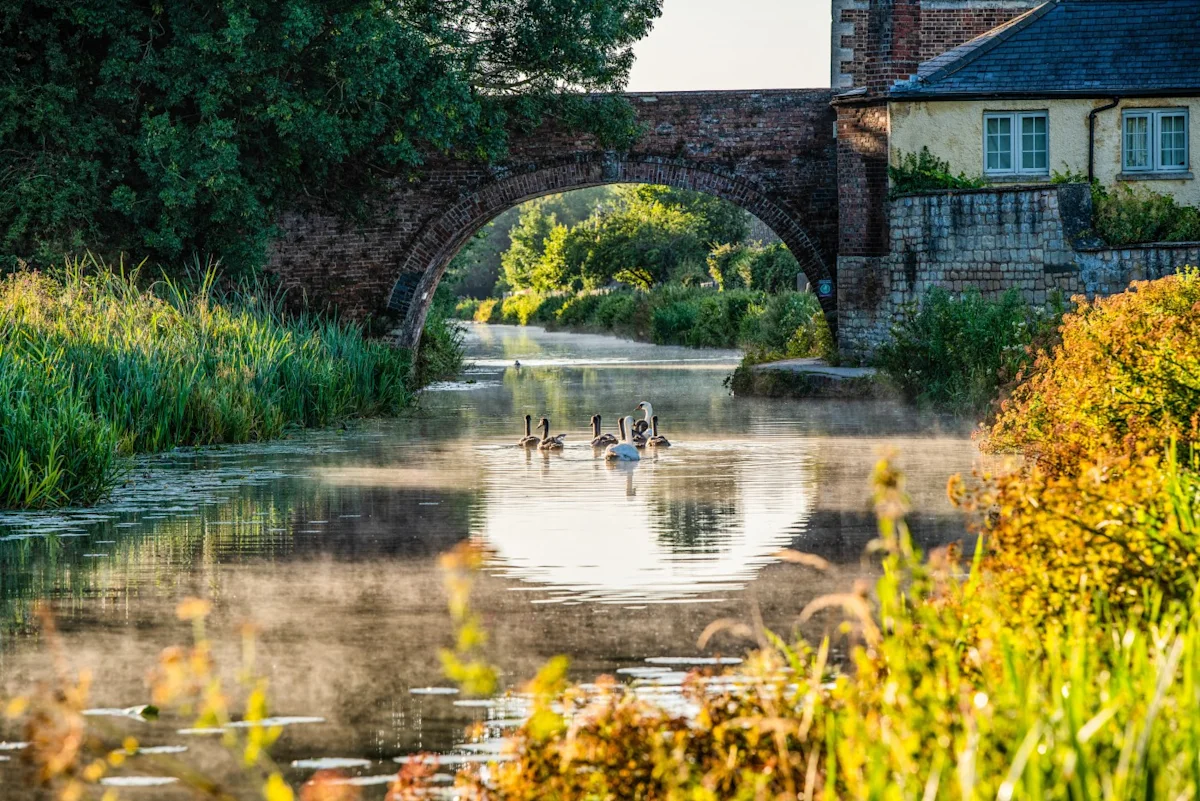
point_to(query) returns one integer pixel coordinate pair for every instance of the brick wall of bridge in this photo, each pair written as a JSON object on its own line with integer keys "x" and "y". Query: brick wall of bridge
{"x": 772, "y": 152}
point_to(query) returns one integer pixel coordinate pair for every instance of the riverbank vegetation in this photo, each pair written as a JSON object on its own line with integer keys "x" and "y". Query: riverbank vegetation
{"x": 960, "y": 352}
{"x": 97, "y": 364}
{"x": 788, "y": 322}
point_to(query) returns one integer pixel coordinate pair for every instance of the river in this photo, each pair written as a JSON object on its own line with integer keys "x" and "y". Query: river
{"x": 329, "y": 543}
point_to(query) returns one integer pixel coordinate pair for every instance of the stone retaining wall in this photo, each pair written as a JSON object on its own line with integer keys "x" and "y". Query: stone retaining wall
{"x": 996, "y": 239}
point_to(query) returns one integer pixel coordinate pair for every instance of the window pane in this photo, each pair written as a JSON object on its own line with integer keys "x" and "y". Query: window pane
{"x": 1173, "y": 138}
{"x": 1034, "y": 143}
{"x": 998, "y": 144}
{"x": 1137, "y": 143}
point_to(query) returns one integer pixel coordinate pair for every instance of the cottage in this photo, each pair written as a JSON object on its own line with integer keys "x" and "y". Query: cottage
{"x": 1104, "y": 88}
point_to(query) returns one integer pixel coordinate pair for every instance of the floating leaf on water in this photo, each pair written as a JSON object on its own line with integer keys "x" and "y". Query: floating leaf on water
{"x": 331, "y": 763}
{"x": 694, "y": 660}
{"x": 200, "y": 731}
{"x": 13, "y": 746}
{"x": 433, "y": 691}
{"x": 481, "y": 702}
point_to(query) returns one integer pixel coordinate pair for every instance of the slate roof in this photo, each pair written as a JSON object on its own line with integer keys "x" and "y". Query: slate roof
{"x": 1073, "y": 48}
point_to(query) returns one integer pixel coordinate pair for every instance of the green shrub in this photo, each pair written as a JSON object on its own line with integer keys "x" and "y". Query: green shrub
{"x": 923, "y": 172}
{"x": 1128, "y": 215}
{"x": 1131, "y": 215}
{"x": 956, "y": 351}
{"x": 547, "y": 311}
{"x": 772, "y": 269}
{"x": 467, "y": 308}
{"x": 579, "y": 310}
{"x": 489, "y": 311}
{"x": 672, "y": 322}
{"x": 616, "y": 310}
{"x": 520, "y": 309}
{"x": 713, "y": 328}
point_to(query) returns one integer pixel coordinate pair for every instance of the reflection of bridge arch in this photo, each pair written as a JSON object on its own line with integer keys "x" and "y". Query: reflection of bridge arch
{"x": 772, "y": 152}
{"x": 443, "y": 237}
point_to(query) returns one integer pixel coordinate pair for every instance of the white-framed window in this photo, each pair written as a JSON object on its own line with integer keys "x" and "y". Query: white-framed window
{"x": 1016, "y": 143}
{"x": 1155, "y": 140}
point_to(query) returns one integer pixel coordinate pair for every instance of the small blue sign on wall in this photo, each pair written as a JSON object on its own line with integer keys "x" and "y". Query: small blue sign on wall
{"x": 825, "y": 288}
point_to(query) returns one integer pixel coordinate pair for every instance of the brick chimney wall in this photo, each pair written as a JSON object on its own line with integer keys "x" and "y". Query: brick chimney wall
{"x": 878, "y": 42}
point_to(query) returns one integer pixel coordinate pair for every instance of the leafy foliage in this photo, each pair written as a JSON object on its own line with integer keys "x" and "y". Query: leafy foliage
{"x": 924, "y": 172}
{"x": 1124, "y": 377}
{"x": 958, "y": 351}
{"x": 169, "y": 128}
{"x": 1128, "y": 215}
{"x": 1131, "y": 215}
{"x": 638, "y": 235}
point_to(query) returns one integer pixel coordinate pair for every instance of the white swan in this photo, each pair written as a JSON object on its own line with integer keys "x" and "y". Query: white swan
{"x": 548, "y": 442}
{"x": 601, "y": 440}
{"x": 623, "y": 451}
{"x": 529, "y": 440}
{"x": 656, "y": 440}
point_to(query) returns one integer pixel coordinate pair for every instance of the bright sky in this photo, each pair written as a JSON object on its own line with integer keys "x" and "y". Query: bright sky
{"x": 735, "y": 44}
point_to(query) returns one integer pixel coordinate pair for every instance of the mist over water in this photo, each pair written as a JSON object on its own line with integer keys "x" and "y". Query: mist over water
{"x": 329, "y": 543}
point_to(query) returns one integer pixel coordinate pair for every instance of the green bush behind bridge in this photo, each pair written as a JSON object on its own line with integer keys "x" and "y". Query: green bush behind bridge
{"x": 95, "y": 366}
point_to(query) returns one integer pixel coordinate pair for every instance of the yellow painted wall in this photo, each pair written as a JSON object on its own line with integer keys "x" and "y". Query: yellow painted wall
{"x": 953, "y": 130}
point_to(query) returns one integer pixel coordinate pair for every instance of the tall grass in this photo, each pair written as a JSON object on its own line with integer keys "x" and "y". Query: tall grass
{"x": 96, "y": 365}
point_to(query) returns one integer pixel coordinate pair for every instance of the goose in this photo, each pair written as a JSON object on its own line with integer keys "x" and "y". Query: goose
{"x": 529, "y": 440}
{"x": 642, "y": 426}
{"x": 623, "y": 451}
{"x": 601, "y": 440}
{"x": 548, "y": 442}
{"x": 656, "y": 440}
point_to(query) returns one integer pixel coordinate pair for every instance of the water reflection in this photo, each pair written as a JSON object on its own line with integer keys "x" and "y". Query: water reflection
{"x": 329, "y": 543}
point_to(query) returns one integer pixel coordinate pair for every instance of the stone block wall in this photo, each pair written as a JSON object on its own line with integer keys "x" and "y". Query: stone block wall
{"x": 993, "y": 240}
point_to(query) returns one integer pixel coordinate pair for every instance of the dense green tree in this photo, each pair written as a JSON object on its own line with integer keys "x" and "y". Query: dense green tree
{"x": 527, "y": 246}
{"x": 720, "y": 222}
{"x": 168, "y": 127}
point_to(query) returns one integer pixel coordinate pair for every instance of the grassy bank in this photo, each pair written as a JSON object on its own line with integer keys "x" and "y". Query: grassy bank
{"x": 787, "y": 322}
{"x": 95, "y": 365}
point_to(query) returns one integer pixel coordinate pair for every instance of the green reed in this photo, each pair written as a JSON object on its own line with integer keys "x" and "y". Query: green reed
{"x": 95, "y": 364}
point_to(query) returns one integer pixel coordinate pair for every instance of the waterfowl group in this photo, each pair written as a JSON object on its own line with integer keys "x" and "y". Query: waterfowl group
{"x": 634, "y": 435}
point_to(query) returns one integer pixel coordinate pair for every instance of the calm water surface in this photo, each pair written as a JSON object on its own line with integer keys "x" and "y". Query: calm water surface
{"x": 329, "y": 544}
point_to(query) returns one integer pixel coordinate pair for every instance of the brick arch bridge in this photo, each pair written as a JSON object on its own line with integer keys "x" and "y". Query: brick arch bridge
{"x": 772, "y": 152}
